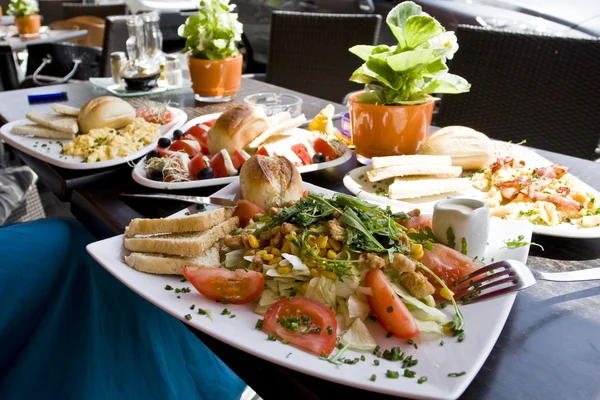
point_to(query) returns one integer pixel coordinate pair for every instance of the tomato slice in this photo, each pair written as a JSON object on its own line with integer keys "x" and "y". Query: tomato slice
{"x": 222, "y": 165}
{"x": 302, "y": 153}
{"x": 237, "y": 287}
{"x": 200, "y": 134}
{"x": 245, "y": 210}
{"x": 448, "y": 264}
{"x": 188, "y": 146}
{"x": 164, "y": 152}
{"x": 210, "y": 123}
{"x": 238, "y": 158}
{"x": 391, "y": 312}
{"x": 420, "y": 222}
{"x": 197, "y": 164}
{"x": 321, "y": 146}
{"x": 309, "y": 314}
{"x": 262, "y": 151}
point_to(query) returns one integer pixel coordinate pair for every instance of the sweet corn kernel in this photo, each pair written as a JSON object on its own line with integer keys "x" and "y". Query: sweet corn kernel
{"x": 447, "y": 294}
{"x": 284, "y": 269}
{"x": 335, "y": 245}
{"x": 303, "y": 252}
{"x": 286, "y": 246}
{"x": 305, "y": 286}
{"x": 268, "y": 257}
{"x": 276, "y": 251}
{"x": 253, "y": 241}
{"x": 330, "y": 275}
{"x": 412, "y": 230}
{"x": 275, "y": 260}
{"x": 311, "y": 240}
{"x": 321, "y": 267}
{"x": 331, "y": 254}
{"x": 275, "y": 230}
{"x": 268, "y": 249}
{"x": 322, "y": 242}
{"x": 323, "y": 253}
{"x": 417, "y": 251}
{"x": 261, "y": 252}
{"x": 314, "y": 273}
{"x": 289, "y": 236}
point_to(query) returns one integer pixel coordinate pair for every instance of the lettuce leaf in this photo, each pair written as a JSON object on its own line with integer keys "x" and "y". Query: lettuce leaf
{"x": 433, "y": 313}
{"x": 359, "y": 337}
{"x": 358, "y": 307}
{"x": 267, "y": 298}
{"x": 235, "y": 259}
{"x": 322, "y": 289}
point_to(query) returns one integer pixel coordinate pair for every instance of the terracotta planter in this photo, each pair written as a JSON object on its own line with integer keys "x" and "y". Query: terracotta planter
{"x": 216, "y": 78}
{"x": 29, "y": 25}
{"x": 389, "y": 130}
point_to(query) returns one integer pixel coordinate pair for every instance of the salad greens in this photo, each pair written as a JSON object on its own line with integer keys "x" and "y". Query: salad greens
{"x": 213, "y": 32}
{"x": 405, "y": 73}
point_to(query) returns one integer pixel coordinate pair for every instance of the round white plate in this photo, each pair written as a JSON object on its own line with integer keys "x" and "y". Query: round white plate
{"x": 357, "y": 183}
{"x": 139, "y": 173}
{"x": 49, "y": 150}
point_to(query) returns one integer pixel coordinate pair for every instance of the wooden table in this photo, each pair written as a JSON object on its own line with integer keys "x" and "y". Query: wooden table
{"x": 14, "y": 105}
{"x": 549, "y": 348}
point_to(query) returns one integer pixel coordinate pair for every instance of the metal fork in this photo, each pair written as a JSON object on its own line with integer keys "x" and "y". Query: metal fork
{"x": 511, "y": 276}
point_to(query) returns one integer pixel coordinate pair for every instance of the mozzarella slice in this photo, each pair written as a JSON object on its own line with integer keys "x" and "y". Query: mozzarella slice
{"x": 228, "y": 164}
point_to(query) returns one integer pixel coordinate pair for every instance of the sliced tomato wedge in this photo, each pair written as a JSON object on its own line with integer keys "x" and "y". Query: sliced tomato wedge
{"x": 237, "y": 287}
{"x": 245, "y": 210}
{"x": 448, "y": 264}
{"x": 302, "y": 153}
{"x": 188, "y": 146}
{"x": 262, "y": 151}
{"x": 314, "y": 318}
{"x": 197, "y": 164}
{"x": 164, "y": 152}
{"x": 222, "y": 165}
{"x": 321, "y": 146}
{"x": 391, "y": 312}
{"x": 199, "y": 133}
{"x": 210, "y": 123}
{"x": 238, "y": 158}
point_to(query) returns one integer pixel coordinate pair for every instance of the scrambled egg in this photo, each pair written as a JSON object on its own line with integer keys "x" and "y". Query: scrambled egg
{"x": 106, "y": 143}
{"x": 544, "y": 196}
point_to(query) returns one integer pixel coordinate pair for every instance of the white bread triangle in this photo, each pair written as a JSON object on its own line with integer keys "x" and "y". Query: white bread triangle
{"x": 380, "y": 174}
{"x": 190, "y": 223}
{"x": 420, "y": 186}
{"x": 182, "y": 244}
{"x": 277, "y": 129}
{"x": 54, "y": 121}
{"x": 40, "y": 132}
{"x": 172, "y": 265}
{"x": 391, "y": 161}
{"x": 65, "y": 110}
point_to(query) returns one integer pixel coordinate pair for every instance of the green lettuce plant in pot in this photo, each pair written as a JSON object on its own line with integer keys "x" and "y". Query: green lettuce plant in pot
{"x": 213, "y": 57}
{"x": 393, "y": 114}
{"x": 27, "y": 19}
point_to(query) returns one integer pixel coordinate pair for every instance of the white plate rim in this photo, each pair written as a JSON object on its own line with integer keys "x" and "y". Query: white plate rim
{"x": 211, "y": 329}
{"x": 139, "y": 176}
{"x": 179, "y": 119}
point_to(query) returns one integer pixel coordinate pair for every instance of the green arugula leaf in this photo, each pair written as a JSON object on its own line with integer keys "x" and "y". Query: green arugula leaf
{"x": 451, "y": 238}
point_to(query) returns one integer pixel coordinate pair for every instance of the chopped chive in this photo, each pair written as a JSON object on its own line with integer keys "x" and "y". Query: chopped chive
{"x": 259, "y": 324}
{"x": 285, "y": 341}
{"x": 377, "y": 348}
{"x": 202, "y": 312}
{"x": 289, "y": 354}
{"x": 409, "y": 374}
{"x": 442, "y": 343}
{"x": 372, "y": 317}
{"x": 390, "y": 309}
{"x": 456, "y": 374}
{"x": 376, "y": 362}
{"x": 329, "y": 330}
{"x": 271, "y": 338}
{"x": 392, "y": 374}
{"x": 224, "y": 301}
{"x": 362, "y": 358}
{"x": 225, "y": 312}
{"x": 178, "y": 297}
{"x": 410, "y": 341}
{"x": 415, "y": 346}
{"x": 373, "y": 378}
{"x": 461, "y": 337}
{"x": 183, "y": 280}
{"x": 442, "y": 305}
{"x": 168, "y": 287}
{"x": 192, "y": 306}
{"x": 188, "y": 316}
{"x": 388, "y": 335}
{"x": 232, "y": 316}
{"x": 422, "y": 380}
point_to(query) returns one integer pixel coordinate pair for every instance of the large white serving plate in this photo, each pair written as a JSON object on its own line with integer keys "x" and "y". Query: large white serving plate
{"x": 49, "y": 150}
{"x": 484, "y": 322}
{"x": 139, "y": 173}
{"x": 357, "y": 183}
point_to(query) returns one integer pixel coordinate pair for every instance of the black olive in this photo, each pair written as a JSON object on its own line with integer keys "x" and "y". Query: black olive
{"x": 205, "y": 173}
{"x": 153, "y": 154}
{"x": 157, "y": 175}
{"x": 177, "y": 134}
{"x": 319, "y": 158}
{"x": 164, "y": 142}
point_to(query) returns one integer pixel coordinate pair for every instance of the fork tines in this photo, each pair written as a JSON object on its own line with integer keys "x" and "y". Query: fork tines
{"x": 474, "y": 287}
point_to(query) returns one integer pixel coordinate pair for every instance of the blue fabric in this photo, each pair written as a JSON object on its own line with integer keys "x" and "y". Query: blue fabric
{"x": 70, "y": 330}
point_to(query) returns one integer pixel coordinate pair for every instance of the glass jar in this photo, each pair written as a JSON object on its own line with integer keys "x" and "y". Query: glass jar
{"x": 136, "y": 43}
{"x": 152, "y": 34}
{"x": 118, "y": 64}
{"x": 172, "y": 71}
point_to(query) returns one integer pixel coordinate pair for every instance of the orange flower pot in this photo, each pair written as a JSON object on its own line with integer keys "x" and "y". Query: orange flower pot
{"x": 216, "y": 78}
{"x": 389, "y": 130}
{"x": 29, "y": 25}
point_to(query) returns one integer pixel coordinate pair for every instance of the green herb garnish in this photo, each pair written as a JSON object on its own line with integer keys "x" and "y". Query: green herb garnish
{"x": 409, "y": 374}
{"x": 373, "y": 378}
{"x": 463, "y": 246}
{"x": 188, "y": 317}
{"x": 520, "y": 242}
{"x": 451, "y": 238}
{"x": 422, "y": 380}
{"x": 392, "y": 374}
{"x": 456, "y": 374}
{"x": 259, "y": 324}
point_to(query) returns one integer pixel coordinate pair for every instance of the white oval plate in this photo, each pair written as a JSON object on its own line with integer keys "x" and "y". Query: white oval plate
{"x": 357, "y": 183}
{"x": 484, "y": 322}
{"x": 49, "y": 150}
{"x": 139, "y": 173}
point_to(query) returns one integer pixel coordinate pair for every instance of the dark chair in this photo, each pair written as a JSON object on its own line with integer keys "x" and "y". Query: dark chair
{"x": 169, "y": 23}
{"x": 51, "y": 10}
{"x": 534, "y": 87}
{"x": 115, "y": 36}
{"x": 94, "y": 10}
{"x": 309, "y": 51}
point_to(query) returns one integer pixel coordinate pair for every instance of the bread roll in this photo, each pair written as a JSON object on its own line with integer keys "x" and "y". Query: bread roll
{"x": 270, "y": 181}
{"x": 468, "y": 148}
{"x": 236, "y": 127}
{"x": 105, "y": 112}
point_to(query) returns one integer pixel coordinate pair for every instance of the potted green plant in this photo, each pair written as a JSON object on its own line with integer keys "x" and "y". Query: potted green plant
{"x": 211, "y": 40}
{"x": 26, "y": 16}
{"x": 393, "y": 114}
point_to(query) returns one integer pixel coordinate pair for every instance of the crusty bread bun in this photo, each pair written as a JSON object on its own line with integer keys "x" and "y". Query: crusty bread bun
{"x": 236, "y": 127}
{"x": 105, "y": 112}
{"x": 468, "y": 148}
{"x": 270, "y": 181}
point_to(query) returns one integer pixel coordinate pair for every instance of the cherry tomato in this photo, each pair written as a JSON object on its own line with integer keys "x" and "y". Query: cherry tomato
{"x": 321, "y": 321}
{"x": 155, "y": 115}
{"x": 391, "y": 312}
{"x": 238, "y": 158}
{"x": 321, "y": 146}
{"x": 164, "y": 152}
{"x": 245, "y": 210}
{"x": 302, "y": 153}
{"x": 217, "y": 163}
{"x": 210, "y": 123}
{"x": 237, "y": 287}
{"x": 197, "y": 164}
{"x": 448, "y": 264}
{"x": 189, "y": 146}
{"x": 200, "y": 134}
